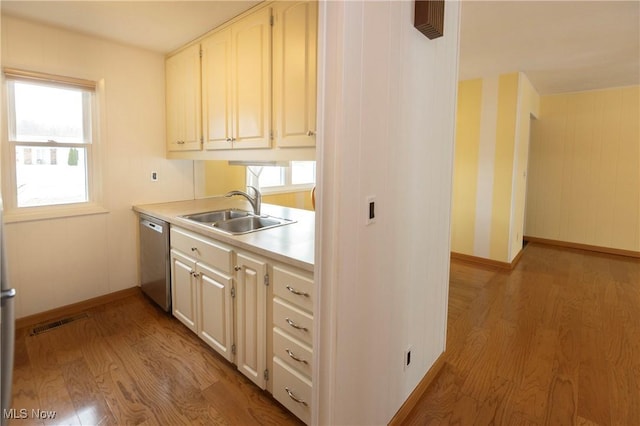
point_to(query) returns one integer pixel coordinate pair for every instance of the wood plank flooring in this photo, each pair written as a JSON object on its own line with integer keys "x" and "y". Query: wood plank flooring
{"x": 556, "y": 341}
{"x": 129, "y": 363}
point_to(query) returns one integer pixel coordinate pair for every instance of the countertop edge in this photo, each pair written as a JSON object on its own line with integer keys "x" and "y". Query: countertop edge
{"x": 255, "y": 242}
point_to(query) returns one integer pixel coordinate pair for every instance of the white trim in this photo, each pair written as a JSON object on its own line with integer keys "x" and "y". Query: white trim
{"x": 94, "y": 128}
{"x": 29, "y": 214}
{"x": 286, "y": 189}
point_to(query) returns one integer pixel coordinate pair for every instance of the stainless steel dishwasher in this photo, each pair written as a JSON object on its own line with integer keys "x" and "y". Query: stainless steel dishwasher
{"x": 155, "y": 269}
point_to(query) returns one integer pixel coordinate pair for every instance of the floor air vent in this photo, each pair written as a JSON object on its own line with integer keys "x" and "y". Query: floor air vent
{"x": 55, "y": 324}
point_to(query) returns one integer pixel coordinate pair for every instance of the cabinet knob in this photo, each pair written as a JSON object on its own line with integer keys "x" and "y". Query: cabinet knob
{"x": 229, "y": 139}
{"x": 194, "y": 249}
{"x": 180, "y": 142}
{"x": 310, "y": 133}
{"x": 237, "y": 268}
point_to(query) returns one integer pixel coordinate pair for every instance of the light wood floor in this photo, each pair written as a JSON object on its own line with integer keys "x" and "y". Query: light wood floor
{"x": 556, "y": 341}
{"x": 129, "y": 363}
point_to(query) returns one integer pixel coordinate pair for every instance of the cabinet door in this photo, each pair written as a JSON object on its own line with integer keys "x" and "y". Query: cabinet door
{"x": 294, "y": 67}
{"x": 215, "y": 310}
{"x": 183, "y": 294}
{"x": 183, "y": 100}
{"x": 216, "y": 90}
{"x": 251, "y": 55}
{"x": 251, "y": 304}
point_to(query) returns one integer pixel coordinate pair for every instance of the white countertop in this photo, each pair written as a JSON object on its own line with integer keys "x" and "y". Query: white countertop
{"x": 292, "y": 244}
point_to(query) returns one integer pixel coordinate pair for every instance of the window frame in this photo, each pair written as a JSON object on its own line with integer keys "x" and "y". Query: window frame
{"x": 252, "y": 180}
{"x": 94, "y": 161}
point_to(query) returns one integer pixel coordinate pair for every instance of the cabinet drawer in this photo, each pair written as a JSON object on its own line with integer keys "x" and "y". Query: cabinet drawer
{"x": 293, "y": 287}
{"x": 292, "y": 390}
{"x": 292, "y": 351}
{"x": 202, "y": 249}
{"x": 292, "y": 320}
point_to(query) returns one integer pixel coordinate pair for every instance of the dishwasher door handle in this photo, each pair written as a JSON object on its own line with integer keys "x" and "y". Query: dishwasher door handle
{"x": 151, "y": 225}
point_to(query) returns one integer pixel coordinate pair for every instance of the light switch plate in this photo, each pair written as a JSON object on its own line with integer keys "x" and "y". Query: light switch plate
{"x": 370, "y": 205}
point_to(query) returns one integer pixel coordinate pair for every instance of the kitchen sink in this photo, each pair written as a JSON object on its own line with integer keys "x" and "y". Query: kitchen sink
{"x": 236, "y": 222}
{"x": 243, "y": 225}
{"x": 216, "y": 216}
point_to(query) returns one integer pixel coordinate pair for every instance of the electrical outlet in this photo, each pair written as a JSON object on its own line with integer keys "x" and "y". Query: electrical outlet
{"x": 154, "y": 176}
{"x": 371, "y": 209}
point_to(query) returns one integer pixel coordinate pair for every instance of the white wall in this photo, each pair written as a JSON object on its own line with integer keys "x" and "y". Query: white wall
{"x": 57, "y": 262}
{"x": 386, "y": 129}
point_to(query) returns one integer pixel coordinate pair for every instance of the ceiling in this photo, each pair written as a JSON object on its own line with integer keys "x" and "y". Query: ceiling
{"x": 160, "y": 26}
{"x": 562, "y": 46}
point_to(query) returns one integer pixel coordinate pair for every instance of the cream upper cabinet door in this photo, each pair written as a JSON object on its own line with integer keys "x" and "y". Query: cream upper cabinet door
{"x": 251, "y": 80}
{"x": 294, "y": 73}
{"x": 216, "y": 88}
{"x": 183, "y": 101}
{"x": 251, "y": 317}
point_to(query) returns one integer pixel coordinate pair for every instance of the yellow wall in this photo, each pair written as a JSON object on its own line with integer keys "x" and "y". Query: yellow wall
{"x": 298, "y": 200}
{"x": 584, "y": 173}
{"x": 221, "y": 178}
{"x": 503, "y": 166}
{"x": 465, "y": 179}
{"x": 492, "y": 137}
{"x": 528, "y": 110}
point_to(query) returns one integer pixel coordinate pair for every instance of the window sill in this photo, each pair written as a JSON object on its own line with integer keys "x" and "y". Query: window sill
{"x": 272, "y": 190}
{"x": 29, "y": 214}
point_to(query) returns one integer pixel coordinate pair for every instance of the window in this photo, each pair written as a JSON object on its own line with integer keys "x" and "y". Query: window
{"x": 299, "y": 175}
{"x": 51, "y": 140}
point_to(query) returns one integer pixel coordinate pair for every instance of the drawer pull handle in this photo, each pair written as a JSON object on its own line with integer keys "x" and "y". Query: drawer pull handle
{"x": 296, "y": 292}
{"x": 296, "y": 326}
{"x": 295, "y": 358}
{"x": 296, "y": 399}
{"x": 194, "y": 248}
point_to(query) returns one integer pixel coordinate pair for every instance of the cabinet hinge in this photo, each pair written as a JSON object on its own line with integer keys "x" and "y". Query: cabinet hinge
{"x": 201, "y": 139}
{"x": 266, "y": 375}
{"x": 271, "y": 20}
{"x": 271, "y": 134}
{"x": 233, "y": 292}
{"x": 266, "y": 279}
{"x": 233, "y": 349}
{"x": 201, "y": 52}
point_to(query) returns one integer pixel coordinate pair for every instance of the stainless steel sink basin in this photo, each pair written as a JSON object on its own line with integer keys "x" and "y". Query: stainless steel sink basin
{"x": 209, "y": 218}
{"x": 235, "y": 221}
{"x": 243, "y": 225}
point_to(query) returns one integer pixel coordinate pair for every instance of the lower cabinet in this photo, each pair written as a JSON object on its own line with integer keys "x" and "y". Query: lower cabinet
{"x": 244, "y": 305}
{"x": 183, "y": 289}
{"x": 251, "y": 326}
{"x": 215, "y": 309}
{"x": 292, "y": 339}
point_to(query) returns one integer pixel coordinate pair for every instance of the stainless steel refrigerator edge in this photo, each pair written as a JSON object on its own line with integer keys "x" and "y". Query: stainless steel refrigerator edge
{"x": 155, "y": 273}
{"x": 7, "y": 330}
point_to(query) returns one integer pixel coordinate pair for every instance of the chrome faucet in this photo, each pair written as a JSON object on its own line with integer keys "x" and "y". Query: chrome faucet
{"x": 255, "y": 201}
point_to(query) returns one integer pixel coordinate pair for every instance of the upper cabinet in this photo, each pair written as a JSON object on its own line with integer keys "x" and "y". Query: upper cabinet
{"x": 236, "y": 84}
{"x": 184, "y": 130}
{"x": 294, "y": 73}
{"x": 247, "y": 90}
